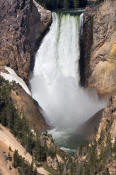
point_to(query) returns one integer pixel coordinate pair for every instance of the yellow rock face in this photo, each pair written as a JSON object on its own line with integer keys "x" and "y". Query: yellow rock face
{"x": 112, "y": 54}
{"x": 100, "y": 57}
{"x": 3, "y": 62}
{"x": 103, "y": 78}
{"x": 28, "y": 108}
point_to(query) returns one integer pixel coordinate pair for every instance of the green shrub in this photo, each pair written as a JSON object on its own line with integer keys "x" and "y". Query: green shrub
{"x": 23, "y": 166}
{"x": 18, "y": 126}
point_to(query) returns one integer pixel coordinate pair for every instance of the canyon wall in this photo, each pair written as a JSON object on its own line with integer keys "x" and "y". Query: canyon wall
{"x": 98, "y": 48}
{"x": 98, "y": 71}
{"x": 98, "y": 156}
{"x": 22, "y": 26}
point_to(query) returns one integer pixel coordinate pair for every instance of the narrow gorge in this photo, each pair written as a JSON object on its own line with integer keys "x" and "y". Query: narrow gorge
{"x": 58, "y": 87}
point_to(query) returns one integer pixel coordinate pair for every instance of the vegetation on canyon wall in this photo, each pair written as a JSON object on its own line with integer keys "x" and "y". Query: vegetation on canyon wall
{"x": 66, "y": 4}
{"x": 97, "y": 157}
{"x": 91, "y": 157}
{"x": 22, "y": 165}
{"x": 17, "y": 125}
{"x": 40, "y": 145}
{"x": 20, "y": 128}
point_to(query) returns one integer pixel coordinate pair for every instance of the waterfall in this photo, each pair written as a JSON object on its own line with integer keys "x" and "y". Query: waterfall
{"x": 55, "y": 80}
{"x": 81, "y": 23}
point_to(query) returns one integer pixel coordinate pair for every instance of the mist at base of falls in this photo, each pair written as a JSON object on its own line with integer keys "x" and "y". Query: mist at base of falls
{"x": 55, "y": 80}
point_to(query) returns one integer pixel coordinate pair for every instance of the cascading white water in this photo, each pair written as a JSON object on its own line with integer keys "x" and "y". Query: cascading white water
{"x": 81, "y": 23}
{"x": 55, "y": 81}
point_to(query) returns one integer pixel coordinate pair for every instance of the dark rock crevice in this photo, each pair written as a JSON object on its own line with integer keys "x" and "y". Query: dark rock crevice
{"x": 39, "y": 34}
{"x": 86, "y": 40}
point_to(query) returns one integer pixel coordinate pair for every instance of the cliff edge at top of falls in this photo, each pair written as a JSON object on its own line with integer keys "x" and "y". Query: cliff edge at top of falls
{"x": 98, "y": 48}
{"x": 22, "y": 26}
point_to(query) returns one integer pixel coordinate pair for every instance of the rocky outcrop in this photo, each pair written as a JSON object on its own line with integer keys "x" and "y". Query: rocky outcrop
{"x": 25, "y": 106}
{"x": 98, "y": 48}
{"x": 90, "y": 127}
{"x": 28, "y": 108}
{"x": 22, "y": 26}
{"x": 99, "y": 155}
{"x": 7, "y": 149}
{"x": 98, "y": 61}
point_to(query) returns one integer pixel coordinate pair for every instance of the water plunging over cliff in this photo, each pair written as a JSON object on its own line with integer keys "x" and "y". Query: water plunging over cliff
{"x": 55, "y": 81}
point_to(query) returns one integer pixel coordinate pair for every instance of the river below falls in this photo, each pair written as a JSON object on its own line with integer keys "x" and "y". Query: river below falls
{"x": 67, "y": 141}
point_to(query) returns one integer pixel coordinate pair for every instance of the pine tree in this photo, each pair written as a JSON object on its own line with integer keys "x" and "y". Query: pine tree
{"x": 66, "y": 4}
{"x": 76, "y": 3}
{"x": 82, "y": 3}
{"x": 16, "y": 162}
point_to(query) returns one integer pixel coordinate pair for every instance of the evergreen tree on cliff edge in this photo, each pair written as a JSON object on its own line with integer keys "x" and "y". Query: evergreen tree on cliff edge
{"x": 60, "y": 4}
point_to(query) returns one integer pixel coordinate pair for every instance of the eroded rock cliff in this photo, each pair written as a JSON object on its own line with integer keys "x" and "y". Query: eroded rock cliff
{"x": 22, "y": 26}
{"x": 98, "y": 48}
{"x": 99, "y": 155}
{"x": 98, "y": 62}
{"x": 25, "y": 106}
